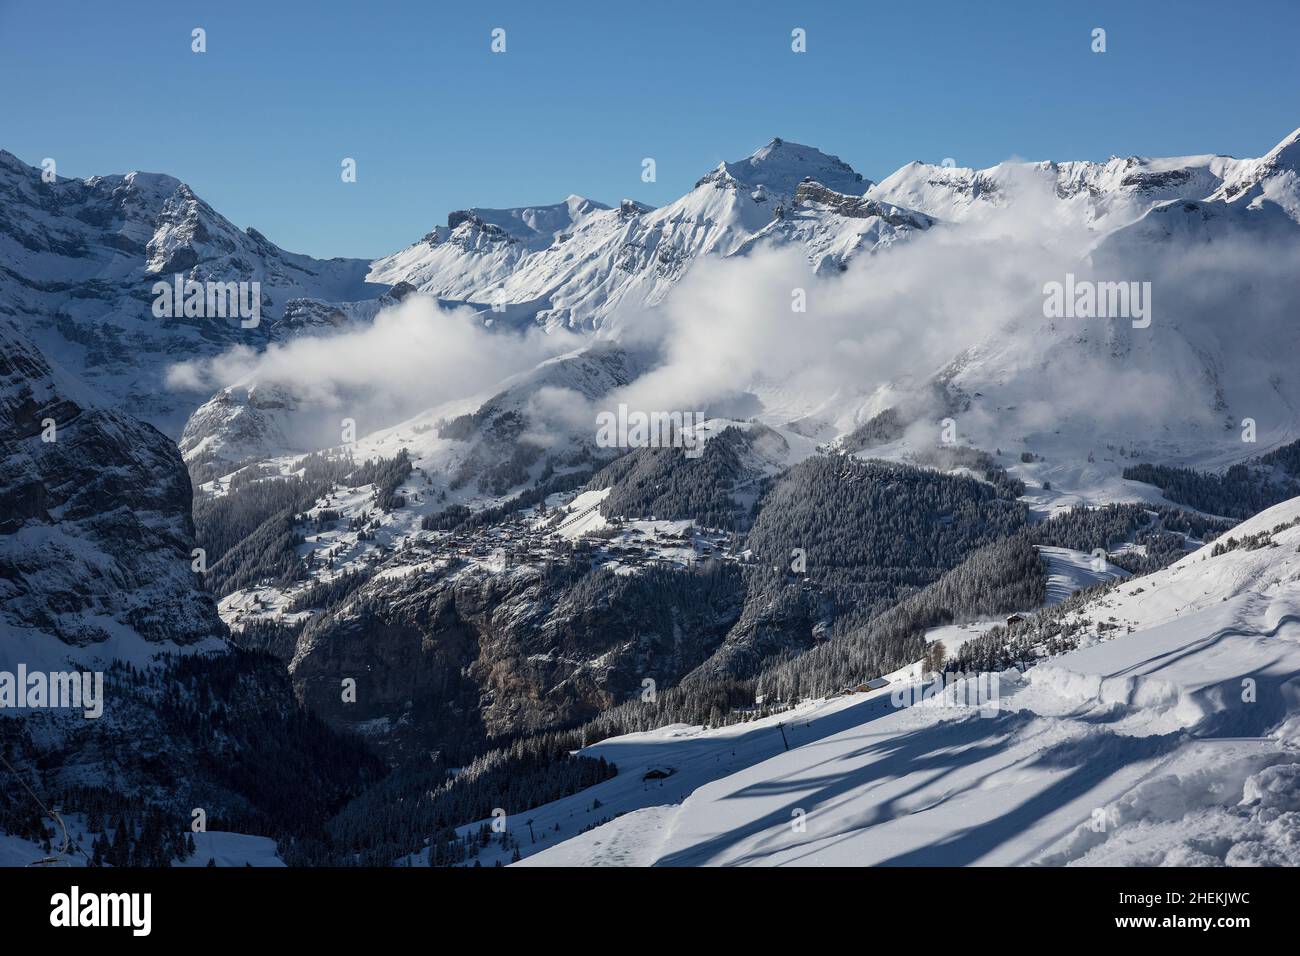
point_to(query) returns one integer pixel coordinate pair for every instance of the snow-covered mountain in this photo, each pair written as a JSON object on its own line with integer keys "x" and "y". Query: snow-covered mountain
{"x": 1105, "y": 195}
{"x": 576, "y": 263}
{"x": 1213, "y": 246}
{"x": 80, "y": 258}
{"x": 1275, "y": 176}
{"x": 579, "y": 264}
{"x": 1068, "y": 402}
{"x": 479, "y": 248}
{"x": 485, "y": 569}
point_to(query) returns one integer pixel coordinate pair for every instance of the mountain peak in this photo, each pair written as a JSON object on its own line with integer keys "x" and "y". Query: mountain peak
{"x": 780, "y": 165}
{"x": 1288, "y": 147}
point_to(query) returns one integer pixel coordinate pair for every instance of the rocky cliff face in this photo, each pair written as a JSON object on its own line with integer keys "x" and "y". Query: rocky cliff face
{"x": 96, "y": 574}
{"x": 451, "y": 653}
{"x": 95, "y": 527}
{"x": 858, "y": 207}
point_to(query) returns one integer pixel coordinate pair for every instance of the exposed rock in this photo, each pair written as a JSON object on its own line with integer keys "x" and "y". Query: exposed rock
{"x": 95, "y": 526}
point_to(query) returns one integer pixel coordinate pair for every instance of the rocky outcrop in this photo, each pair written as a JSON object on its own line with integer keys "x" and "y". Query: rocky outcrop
{"x": 858, "y": 207}
{"x": 454, "y": 653}
{"x": 95, "y": 528}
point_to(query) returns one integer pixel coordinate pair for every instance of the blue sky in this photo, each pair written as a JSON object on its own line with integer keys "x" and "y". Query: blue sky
{"x": 259, "y": 123}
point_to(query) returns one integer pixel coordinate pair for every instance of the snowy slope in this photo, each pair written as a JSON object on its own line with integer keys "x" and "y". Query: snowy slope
{"x": 1178, "y": 743}
{"x": 223, "y": 849}
{"x": 1274, "y": 177}
{"x": 1068, "y": 571}
{"x": 233, "y": 849}
{"x": 834, "y": 226}
{"x": 479, "y": 248}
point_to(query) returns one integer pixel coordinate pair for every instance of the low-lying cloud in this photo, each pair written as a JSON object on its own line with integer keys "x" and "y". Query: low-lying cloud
{"x": 412, "y": 357}
{"x": 897, "y": 316}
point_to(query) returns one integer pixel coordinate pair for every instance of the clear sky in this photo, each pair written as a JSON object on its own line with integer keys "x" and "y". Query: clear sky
{"x": 259, "y": 124}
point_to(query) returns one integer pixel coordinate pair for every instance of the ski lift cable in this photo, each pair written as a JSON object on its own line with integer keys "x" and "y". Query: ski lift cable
{"x": 53, "y": 815}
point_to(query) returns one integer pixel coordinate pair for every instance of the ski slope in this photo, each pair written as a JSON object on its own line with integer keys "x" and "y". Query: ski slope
{"x": 1177, "y": 743}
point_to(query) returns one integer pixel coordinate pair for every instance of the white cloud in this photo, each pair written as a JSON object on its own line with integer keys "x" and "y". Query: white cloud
{"x": 414, "y": 356}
